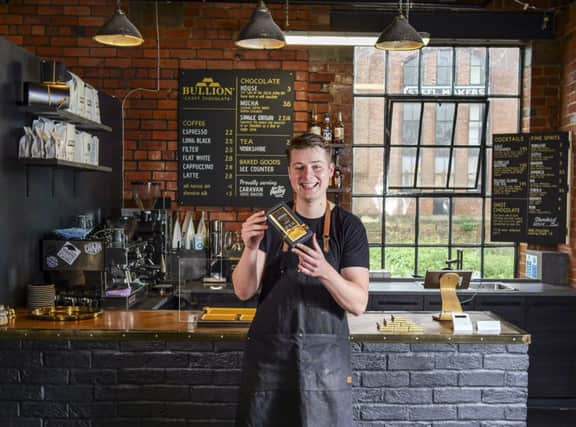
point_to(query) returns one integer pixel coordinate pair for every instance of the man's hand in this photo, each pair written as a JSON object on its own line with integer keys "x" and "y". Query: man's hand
{"x": 311, "y": 261}
{"x": 253, "y": 230}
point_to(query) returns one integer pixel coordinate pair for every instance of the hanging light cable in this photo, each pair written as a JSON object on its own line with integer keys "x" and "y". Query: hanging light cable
{"x": 399, "y": 34}
{"x": 261, "y": 32}
{"x": 119, "y": 31}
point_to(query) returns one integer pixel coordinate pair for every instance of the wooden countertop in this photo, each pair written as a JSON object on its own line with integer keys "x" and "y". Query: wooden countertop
{"x": 174, "y": 325}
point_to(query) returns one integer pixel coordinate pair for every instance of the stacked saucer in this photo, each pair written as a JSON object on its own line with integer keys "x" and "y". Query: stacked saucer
{"x": 41, "y": 295}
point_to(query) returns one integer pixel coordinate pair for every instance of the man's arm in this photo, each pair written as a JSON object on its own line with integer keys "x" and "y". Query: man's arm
{"x": 349, "y": 287}
{"x": 248, "y": 273}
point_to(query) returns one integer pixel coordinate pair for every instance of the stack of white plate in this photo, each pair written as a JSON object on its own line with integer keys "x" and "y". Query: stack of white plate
{"x": 41, "y": 295}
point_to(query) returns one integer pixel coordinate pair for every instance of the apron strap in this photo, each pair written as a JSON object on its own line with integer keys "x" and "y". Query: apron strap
{"x": 325, "y": 229}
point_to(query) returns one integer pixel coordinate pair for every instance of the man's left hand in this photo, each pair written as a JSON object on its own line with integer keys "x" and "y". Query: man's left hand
{"x": 311, "y": 260}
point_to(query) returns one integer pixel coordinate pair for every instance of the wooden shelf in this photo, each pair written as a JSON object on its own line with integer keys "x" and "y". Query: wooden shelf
{"x": 65, "y": 164}
{"x": 65, "y": 116}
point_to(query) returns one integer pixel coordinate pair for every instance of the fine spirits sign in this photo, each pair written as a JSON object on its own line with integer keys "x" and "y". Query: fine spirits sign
{"x": 530, "y": 187}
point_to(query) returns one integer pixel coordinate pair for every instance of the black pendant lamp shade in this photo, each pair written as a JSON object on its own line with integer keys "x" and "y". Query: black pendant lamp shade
{"x": 119, "y": 31}
{"x": 399, "y": 35}
{"x": 261, "y": 32}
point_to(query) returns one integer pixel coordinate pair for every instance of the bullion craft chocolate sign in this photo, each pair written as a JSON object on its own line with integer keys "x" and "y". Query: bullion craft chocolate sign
{"x": 233, "y": 129}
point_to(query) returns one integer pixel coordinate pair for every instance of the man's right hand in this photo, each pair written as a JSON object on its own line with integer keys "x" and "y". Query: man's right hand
{"x": 253, "y": 230}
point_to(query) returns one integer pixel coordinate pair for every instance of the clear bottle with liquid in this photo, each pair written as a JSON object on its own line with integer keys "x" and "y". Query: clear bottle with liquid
{"x": 338, "y": 130}
{"x": 327, "y": 129}
{"x": 201, "y": 233}
{"x": 314, "y": 123}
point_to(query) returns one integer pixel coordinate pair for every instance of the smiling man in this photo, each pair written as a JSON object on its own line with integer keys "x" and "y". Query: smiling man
{"x": 297, "y": 368}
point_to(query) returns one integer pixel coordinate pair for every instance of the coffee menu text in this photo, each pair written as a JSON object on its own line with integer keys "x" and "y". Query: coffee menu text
{"x": 234, "y": 126}
{"x": 530, "y": 187}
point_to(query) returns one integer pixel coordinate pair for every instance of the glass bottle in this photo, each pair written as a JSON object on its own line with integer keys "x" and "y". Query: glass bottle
{"x": 337, "y": 177}
{"x": 201, "y": 234}
{"x": 327, "y": 129}
{"x": 339, "y": 130}
{"x": 314, "y": 124}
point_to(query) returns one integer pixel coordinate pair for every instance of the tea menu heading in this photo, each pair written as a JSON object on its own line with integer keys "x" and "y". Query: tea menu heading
{"x": 234, "y": 126}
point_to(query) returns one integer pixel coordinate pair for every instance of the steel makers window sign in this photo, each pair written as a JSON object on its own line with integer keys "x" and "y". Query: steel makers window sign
{"x": 422, "y": 150}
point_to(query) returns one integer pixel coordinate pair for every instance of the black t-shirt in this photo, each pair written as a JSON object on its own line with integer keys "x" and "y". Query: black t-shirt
{"x": 348, "y": 245}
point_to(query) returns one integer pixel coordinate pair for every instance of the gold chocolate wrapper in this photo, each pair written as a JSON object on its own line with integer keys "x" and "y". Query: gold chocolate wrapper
{"x": 287, "y": 223}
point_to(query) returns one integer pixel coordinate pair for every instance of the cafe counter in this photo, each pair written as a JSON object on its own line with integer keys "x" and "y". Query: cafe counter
{"x": 144, "y": 368}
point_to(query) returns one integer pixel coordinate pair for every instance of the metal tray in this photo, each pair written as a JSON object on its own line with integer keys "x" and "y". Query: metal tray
{"x": 238, "y": 313}
{"x": 63, "y": 313}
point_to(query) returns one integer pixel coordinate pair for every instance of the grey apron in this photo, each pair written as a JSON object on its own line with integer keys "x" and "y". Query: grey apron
{"x": 297, "y": 369}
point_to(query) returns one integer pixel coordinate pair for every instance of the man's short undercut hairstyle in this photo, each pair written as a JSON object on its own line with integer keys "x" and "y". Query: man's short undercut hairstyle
{"x": 308, "y": 140}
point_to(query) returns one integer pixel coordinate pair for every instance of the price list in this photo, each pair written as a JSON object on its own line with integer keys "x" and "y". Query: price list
{"x": 530, "y": 187}
{"x": 234, "y": 128}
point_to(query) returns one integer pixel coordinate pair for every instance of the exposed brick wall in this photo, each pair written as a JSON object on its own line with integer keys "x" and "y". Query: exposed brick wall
{"x": 103, "y": 383}
{"x": 197, "y": 35}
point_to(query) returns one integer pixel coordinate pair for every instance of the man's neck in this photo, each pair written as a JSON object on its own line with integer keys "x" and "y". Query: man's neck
{"x": 311, "y": 209}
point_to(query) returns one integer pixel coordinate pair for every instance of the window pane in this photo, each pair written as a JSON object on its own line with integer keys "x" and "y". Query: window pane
{"x": 470, "y": 71}
{"x": 370, "y": 70}
{"x": 399, "y": 261}
{"x": 504, "y": 70}
{"x": 444, "y": 123}
{"x": 434, "y": 220}
{"x": 397, "y": 62}
{"x": 433, "y": 167}
{"x": 470, "y": 260}
{"x": 410, "y": 112}
{"x": 375, "y": 258}
{"x": 400, "y": 220}
{"x": 431, "y": 259}
{"x": 464, "y": 167}
{"x": 369, "y": 120}
{"x": 467, "y": 220}
{"x": 469, "y": 124}
{"x": 368, "y": 170}
{"x": 499, "y": 262}
{"x": 437, "y": 71}
{"x": 369, "y": 210}
{"x": 402, "y": 167}
{"x": 503, "y": 116}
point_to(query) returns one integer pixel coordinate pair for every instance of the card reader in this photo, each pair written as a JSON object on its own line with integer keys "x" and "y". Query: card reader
{"x": 461, "y": 323}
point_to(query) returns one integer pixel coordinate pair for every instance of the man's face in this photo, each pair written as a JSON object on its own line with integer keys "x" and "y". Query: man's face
{"x": 310, "y": 171}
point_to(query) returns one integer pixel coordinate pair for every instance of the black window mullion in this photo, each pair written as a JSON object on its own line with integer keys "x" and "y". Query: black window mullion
{"x": 456, "y": 107}
{"x": 418, "y": 147}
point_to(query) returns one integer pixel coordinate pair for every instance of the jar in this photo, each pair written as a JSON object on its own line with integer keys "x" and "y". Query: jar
{"x": 3, "y": 316}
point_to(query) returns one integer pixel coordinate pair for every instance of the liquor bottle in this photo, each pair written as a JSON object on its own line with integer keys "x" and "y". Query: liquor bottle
{"x": 314, "y": 124}
{"x": 337, "y": 177}
{"x": 327, "y": 129}
{"x": 339, "y": 130}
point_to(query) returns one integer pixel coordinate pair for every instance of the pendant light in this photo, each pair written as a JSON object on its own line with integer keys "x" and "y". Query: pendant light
{"x": 261, "y": 32}
{"x": 399, "y": 34}
{"x": 119, "y": 31}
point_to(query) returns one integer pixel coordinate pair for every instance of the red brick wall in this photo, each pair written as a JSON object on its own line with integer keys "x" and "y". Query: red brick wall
{"x": 201, "y": 35}
{"x": 193, "y": 35}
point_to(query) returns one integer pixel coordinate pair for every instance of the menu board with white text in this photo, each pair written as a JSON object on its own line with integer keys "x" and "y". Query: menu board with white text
{"x": 530, "y": 187}
{"x": 234, "y": 126}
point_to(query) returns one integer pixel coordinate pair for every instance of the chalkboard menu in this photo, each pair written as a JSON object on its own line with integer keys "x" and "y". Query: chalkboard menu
{"x": 530, "y": 187}
{"x": 233, "y": 129}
